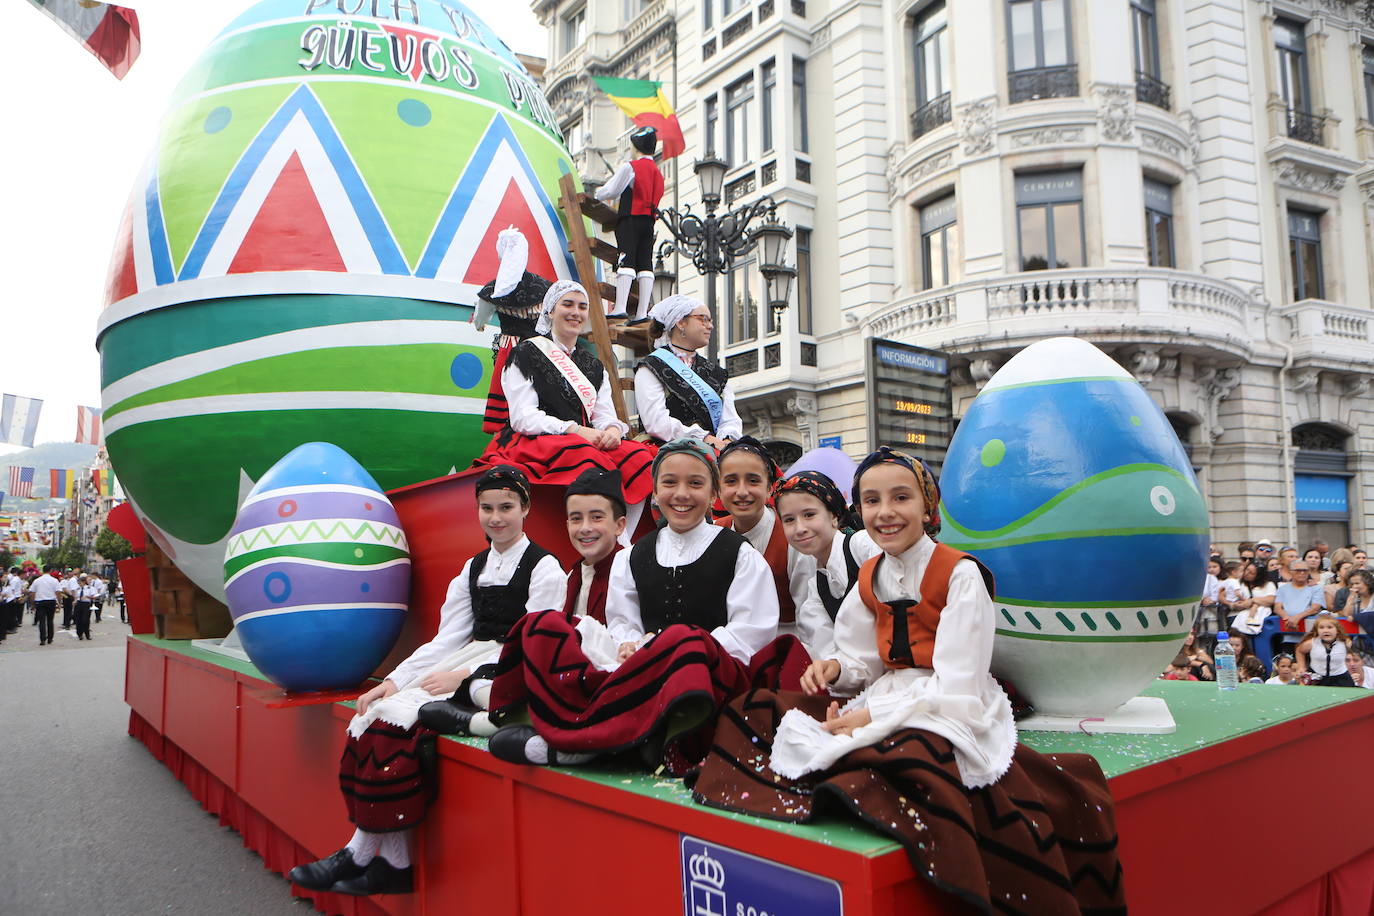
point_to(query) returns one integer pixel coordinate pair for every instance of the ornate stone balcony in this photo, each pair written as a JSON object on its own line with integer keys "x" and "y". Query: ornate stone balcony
{"x": 1147, "y": 302}
{"x": 1328, "y": 332}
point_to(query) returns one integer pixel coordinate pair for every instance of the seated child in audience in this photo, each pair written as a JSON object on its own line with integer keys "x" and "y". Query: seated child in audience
{"x": 1178, "y": 669}
{"x": 1285, "y": 671}
{"x": 1250, "y": 670}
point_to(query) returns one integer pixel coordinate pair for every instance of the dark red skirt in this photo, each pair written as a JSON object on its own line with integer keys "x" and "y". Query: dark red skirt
{"x": 387, "y": 777}
{"x": 496, "y": 416}
{"x": 559, "y": 459}
{"x": 663, "y": 699}
{"x": 1042, "y": 839}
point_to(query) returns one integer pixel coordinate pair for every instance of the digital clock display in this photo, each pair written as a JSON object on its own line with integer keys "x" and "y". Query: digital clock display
{"x": 909, "y": 399}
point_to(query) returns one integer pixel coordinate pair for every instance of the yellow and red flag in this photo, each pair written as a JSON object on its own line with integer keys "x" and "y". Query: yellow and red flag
{"x": 645, "y": 104}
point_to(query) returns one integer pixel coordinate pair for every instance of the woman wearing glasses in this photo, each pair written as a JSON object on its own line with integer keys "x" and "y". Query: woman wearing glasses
{"x": 679, "y": 393}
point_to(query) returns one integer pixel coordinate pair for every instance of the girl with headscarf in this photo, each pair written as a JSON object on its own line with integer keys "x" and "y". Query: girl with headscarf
{"x": 812, "y": 512}
{"x": 926, "y": 749}
{"x": 692, "y": 609}
{"x": 679, "y": 393}
{"x": 562, "y": 417}
{"x": 386, "y": 790}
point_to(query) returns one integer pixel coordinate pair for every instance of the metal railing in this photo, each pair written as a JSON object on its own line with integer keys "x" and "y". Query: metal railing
{"x": 1307, "y": 127}
{"x": 1152, "y": 91}
{"x": 1044, "y": 83}
{"x": 930, "y": 115}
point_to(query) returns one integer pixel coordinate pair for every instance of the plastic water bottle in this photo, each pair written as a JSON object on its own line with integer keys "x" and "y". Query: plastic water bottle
{"x": 1225, "y": 662}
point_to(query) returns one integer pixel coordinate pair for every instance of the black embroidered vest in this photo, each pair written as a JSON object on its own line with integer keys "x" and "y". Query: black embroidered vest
{"x": 496, "y": 608}
{"x": 694, "y": 593}
{"x": 556, "y": 396}
{"x": 682, "y": 402}
{"x": 830, "y": 602}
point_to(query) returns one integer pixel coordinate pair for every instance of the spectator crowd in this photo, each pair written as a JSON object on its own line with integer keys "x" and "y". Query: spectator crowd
{"x": 1292, "y": 617}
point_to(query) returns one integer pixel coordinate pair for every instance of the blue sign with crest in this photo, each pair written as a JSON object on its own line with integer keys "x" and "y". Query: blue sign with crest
{"x": 717, "y": 881}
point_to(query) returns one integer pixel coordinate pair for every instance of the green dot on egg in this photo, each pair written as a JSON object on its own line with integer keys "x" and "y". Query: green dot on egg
{"x": 993, "y": 453}
{"x": 1136, "y": 421}
{"x": 358, "y": 552}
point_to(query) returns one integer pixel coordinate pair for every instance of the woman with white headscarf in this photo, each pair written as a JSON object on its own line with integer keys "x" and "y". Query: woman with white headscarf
{"x": 679, "y": 393}
{"x": 562, "y": 418}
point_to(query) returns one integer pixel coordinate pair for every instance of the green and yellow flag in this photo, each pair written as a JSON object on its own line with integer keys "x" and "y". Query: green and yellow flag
{"x": 645, "y": 104}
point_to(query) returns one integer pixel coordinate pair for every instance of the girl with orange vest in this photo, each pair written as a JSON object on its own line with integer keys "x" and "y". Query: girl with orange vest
{"x": 747, "y": 475}
{"x": 913, "y": 642}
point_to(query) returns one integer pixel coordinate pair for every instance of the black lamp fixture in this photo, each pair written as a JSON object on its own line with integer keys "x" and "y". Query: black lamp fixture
{"x": 664, "y": 279}
{"x": 710, "y": 174}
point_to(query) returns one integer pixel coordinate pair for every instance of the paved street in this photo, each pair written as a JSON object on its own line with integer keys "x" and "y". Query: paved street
{"x": 89, "y": 821}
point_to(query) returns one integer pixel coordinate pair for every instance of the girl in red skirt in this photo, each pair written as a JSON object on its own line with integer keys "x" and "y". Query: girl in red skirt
{"x": 562, "y": 419}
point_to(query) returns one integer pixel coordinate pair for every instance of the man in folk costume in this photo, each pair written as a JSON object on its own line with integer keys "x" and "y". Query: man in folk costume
{"x": 747, "y": 475}
{"x": 926, "y": 751}
{"x": 562, "y": 417}
{"x": 515, "y": 298}
{"x": 638, "y": 184}
{"x": 386, "y": 788}
{"x": 680, "y": 393}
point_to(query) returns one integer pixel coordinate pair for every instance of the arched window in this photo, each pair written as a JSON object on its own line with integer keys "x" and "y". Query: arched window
{"x": 1321, "y": 484}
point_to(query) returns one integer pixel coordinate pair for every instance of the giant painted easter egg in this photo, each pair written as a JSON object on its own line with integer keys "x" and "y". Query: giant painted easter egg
{"x": 300, "y": 256}
{"x": 317, "y": 571}
{"x": 1070, "y": 484}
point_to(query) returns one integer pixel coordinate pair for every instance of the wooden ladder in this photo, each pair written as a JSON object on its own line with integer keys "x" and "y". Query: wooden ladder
{"x": 586, "y": 251}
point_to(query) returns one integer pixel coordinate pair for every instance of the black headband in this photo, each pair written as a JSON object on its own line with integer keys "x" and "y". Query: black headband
{"x": 754, "y": 446}
{"x": 816, "y": 484}
{"x": 505, "y": 477}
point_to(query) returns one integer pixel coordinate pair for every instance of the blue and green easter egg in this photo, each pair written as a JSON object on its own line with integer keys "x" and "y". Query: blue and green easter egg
{"x": 1068, "y": 482}
{"x": 300, "y": 255}
{"x": 317, "y": 571}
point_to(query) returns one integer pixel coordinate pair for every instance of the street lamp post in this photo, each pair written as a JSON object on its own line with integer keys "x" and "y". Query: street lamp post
{"x": 713, "y": 243}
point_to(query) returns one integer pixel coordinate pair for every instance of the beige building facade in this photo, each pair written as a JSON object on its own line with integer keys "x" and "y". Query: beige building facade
{"x": 1189, "y": 184}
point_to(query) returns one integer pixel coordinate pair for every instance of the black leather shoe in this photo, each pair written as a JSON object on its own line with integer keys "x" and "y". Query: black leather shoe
{"x": 446, "y": 717}
{"x": 324, "y": 874}
{"x": 508, "y": 743}
{"x": 380, "y": 877}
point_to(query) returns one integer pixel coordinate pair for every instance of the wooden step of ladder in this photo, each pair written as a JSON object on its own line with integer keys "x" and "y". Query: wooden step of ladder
{"x": 586, "y": 251}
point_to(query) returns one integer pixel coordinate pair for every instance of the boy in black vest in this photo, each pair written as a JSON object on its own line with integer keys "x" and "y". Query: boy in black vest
{"x": 639, "y": 185}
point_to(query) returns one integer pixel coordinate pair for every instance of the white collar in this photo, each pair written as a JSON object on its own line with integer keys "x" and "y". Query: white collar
{"x": 916, "y": 554}
{"x": 514, "y": 550}
{"x": 691, "y": 535}
{"x": 559, "y": 344}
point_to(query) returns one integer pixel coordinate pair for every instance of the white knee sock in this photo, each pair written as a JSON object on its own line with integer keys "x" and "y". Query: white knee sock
{"x": 646, "y": 292}
{"x": 623, "y": 281}
{"x": 480, "y": 726}
{"x": 480, "y": 691}
{"x": 396, "y": 848}
{"x": 537, "y": 751}
{"x": 364, "y": 845}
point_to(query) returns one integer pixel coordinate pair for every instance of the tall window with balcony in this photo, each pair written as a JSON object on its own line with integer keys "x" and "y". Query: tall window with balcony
{"x": 710, "y": 118}
{"x": 1049, "y": 219}
{"x": 739, "y": 295}
{"x": 1290, "y": 44}
{"x": 1369, "y": 83}
{"x": 939, "y": 243}
{"x": 574, "y": 30}
{"x": 1041, "y": 50}
{"x": 1150, "y": 87}
{"x": 805, "y": 322}
{"x": 1305, "y": 254}
{"x": 738, "y": 97}
{"x": 1159, "y": 223}
{"x": 932, "y": 69}
{"x": 768, "y": 87}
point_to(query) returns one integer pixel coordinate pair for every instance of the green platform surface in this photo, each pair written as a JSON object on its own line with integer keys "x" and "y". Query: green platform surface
{"x": 1205, "y": 716}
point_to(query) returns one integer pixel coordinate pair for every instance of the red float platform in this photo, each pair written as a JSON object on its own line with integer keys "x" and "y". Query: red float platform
{"x": 504, "y": 839}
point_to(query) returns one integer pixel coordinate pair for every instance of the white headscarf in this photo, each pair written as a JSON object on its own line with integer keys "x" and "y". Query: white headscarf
{"x": 557, "y": 290}
{"x": 514, "y": 253}
{"x": 670, "y": 311}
